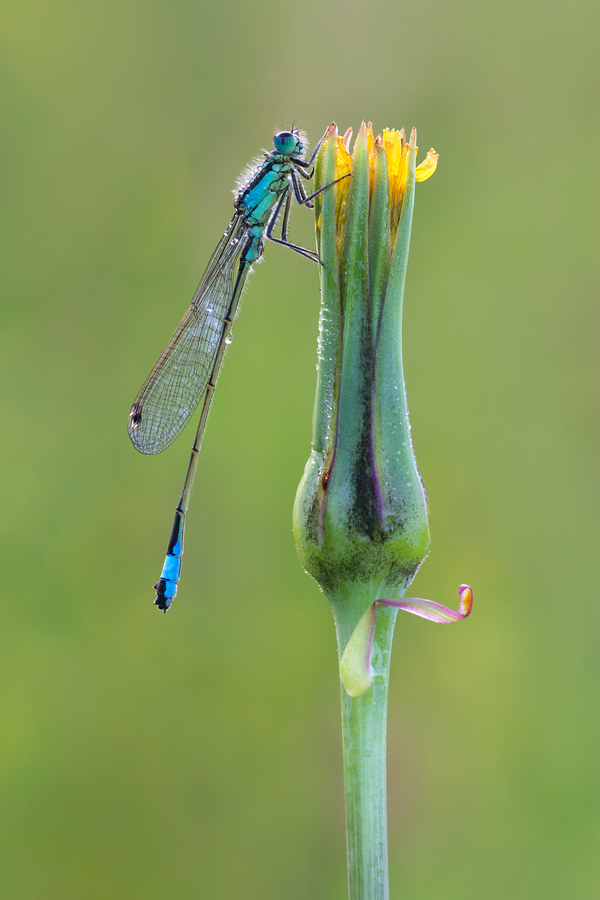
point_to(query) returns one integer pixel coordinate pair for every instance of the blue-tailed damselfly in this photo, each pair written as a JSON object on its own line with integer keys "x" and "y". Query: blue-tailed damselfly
{"x": 188, "y": 368}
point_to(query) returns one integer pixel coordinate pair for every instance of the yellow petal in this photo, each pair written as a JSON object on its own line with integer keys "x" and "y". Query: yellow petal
{"x": 426, "y": 169}
{"x": 343, "y": 166}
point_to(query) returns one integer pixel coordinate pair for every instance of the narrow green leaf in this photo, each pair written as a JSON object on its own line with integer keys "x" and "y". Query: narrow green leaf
{"x": 355, "y": 665}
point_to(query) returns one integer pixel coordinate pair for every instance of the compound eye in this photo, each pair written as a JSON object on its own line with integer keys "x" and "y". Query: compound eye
{"x": 285, "y": 142}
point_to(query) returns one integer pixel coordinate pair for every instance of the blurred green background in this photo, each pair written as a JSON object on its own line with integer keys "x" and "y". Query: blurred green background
{"x": 198, "y": 754}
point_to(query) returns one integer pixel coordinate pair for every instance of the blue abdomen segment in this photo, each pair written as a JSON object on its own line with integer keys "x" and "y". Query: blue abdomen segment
{"x": 166, "y": 587}
{"x": 253, "y": 247}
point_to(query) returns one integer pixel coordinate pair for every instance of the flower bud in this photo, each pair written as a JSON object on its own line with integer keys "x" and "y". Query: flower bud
{"x": 361, "y": 513}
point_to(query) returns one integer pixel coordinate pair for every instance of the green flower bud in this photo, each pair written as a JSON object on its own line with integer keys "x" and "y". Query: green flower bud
{"x": 361, "y": 513}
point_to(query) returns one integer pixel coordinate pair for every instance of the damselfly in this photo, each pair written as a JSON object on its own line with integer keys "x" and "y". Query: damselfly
{"x": 188, "y": 368}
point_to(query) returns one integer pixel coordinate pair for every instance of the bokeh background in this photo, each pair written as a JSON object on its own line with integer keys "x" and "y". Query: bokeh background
{"x": 198, "y": 754}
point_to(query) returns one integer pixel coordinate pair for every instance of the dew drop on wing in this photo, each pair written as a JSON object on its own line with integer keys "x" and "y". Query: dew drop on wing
{"x": 229, "y": 339}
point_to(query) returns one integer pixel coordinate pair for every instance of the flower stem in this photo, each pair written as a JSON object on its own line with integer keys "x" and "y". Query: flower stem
{"x": 364, "y": 726}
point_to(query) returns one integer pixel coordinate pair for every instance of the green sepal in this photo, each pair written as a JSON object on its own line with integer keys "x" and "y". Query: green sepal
{"x": 350, "y": 512}
{"x": 402, "y": 500}
{"x": 380, "y": 241}
{"x": 309, "y": 503}
{"x": 355, "y": 664}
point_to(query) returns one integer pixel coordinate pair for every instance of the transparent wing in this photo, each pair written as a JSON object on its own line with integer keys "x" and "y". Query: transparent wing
{"x": 179, "y": 379}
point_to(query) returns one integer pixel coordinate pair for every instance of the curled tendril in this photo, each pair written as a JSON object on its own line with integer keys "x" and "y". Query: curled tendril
{"x": 355, "y": 665}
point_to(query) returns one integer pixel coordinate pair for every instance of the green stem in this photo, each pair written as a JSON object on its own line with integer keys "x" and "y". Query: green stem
{"x": 364, "y": 726}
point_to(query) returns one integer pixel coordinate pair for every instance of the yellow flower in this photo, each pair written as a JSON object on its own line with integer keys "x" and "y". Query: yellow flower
{"x": 393, "y": 143}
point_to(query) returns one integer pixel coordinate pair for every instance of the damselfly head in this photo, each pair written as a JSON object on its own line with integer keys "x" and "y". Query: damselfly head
{"x": 288, "y": 142}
